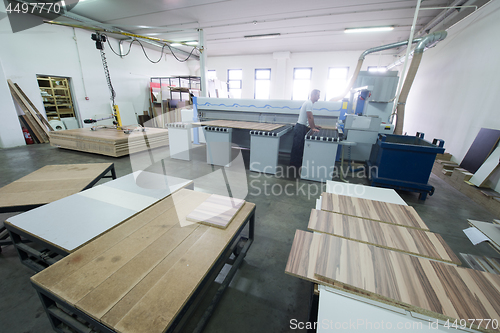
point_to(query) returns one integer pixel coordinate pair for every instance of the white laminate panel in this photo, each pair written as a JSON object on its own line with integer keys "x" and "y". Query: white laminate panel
{"x": 365, "y": 192}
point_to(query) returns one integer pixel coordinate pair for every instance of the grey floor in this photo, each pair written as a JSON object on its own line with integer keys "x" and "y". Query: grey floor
{"x": 261, "y": 298}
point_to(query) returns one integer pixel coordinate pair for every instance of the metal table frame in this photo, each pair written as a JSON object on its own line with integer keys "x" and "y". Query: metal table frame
{"x": 63, "y": 315}
{"x": 24, "y": 208}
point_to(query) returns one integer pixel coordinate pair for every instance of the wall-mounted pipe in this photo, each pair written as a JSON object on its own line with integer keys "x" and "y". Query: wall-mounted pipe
{"x": 412, "y": 71}
{"x": 362, "y": 58}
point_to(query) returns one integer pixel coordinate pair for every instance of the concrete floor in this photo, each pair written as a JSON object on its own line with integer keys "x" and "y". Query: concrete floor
{"x": 261, "y": 298}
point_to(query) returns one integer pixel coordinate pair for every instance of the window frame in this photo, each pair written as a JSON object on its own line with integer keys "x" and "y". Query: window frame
{"x": 294, "y": 79}
{"x": 256, "y": 80}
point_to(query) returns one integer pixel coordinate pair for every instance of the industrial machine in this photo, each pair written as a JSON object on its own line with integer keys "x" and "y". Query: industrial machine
{"x": 264, "y": 145}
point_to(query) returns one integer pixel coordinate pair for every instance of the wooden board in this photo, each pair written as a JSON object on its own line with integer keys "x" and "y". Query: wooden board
{"x": 138, "y": 276}
{"x": 217, "y": 211}
{"x": 50, "y": 183}
{"x": 372, "y": 210}
{"x": 419, "y": 285}
{"x": 392, "y": 237}
{"x": 108, "y": 141}
{"x": 484, "y": 143}
{"x": 40, "y": 116}
{"x": 424, "y": 286}
{"x": 487, "y": 168}
{"x": 243, "y": 125}
{"x": 26, "y": 107}
{"x": 491, "y": 230}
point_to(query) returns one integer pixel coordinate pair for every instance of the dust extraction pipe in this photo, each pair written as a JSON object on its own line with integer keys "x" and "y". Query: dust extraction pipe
{"x": 362, "y": 58}
{"x": 424, "y": 42}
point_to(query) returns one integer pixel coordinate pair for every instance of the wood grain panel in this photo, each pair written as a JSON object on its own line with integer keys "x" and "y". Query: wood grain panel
{"x": 108, "y": 141}
{"x": 243, "y": 125}
{"x": 392, "y": 237}
{"x": 372, "y": 210}
{"x": 217, "y": 211}
{"x": 482, "y": 146}
{"x": 50, "y": 183}
{"x": 138, "y": 276}
{"x": 491, "y": 230}
{"x": 424, "y": 286}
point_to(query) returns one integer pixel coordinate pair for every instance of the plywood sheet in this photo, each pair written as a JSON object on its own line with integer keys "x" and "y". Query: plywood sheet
{"x": 217, "y": 211}
{"x": 484, "y": 143}
{"x": 108, "y": 141}
{"x": 491, "y": 230}
{"x": 487, "y": 168}
{"x": 138, "y": 276}
{"x": 424, "y": 286}
{"x": 243, "y": 125}
{"x": 50, "y": 183}
{"x": 372, "y": 210}
{"x": 393, "y": 237}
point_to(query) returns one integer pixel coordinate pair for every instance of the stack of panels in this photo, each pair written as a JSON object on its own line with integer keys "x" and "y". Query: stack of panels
{"x": 108, "y": 141}
{"x": 428, "y": 287}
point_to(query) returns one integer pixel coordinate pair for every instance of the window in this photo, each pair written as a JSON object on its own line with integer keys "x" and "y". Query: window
{"x": 234, "y": 78}
{"x": 377, "y": 69}
{"x": 262, "y": 83}
{"x": 301, "y": 83}
{"x": 211, "y": 74}
{"x": 337, "y": 81}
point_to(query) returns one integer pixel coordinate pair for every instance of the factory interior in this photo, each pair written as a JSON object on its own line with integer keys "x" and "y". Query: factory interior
{"x": 249, "y": 166}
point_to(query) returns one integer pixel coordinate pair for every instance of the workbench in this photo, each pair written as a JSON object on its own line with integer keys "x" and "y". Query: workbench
{"x": 47, "y": 184}
{"x": 335, "y": 309}
{"x": 147, "y": 274}
{"x": 63, "y": 226}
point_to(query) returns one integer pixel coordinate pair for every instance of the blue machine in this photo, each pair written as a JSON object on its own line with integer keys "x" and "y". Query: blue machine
{"x": 404, "y": 162}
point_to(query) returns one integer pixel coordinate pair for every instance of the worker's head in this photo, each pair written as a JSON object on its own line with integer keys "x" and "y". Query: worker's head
{"x": 315, "y": 95}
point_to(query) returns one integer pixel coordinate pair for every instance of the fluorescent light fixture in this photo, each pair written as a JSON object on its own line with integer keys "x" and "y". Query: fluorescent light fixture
{"x": 263, "y": 36}
{"x": 193, "y": 42}
{"x": 368, "y": 29}
{"x": 175, "y": 44}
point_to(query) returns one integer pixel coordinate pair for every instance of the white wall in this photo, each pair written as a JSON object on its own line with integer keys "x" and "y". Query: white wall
{"x": 52, "y": 50}
{"x": 10, "y": 128}
{"x": 319, "y": 61}
{"x": 456, "y": 88}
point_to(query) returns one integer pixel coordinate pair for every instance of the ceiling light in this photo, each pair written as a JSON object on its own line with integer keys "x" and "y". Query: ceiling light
{"x": 175, "y": 44}
{"x": 368, "y": 29}
{"x": 263, "y": 36}
{"x": 193, "y": 42}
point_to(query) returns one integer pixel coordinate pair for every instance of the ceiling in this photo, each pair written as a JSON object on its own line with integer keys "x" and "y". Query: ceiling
{"x": 316, "y": 25}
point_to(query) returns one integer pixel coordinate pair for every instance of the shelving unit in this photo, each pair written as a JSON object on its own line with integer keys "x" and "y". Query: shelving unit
{"x": 56, "y": 97}
{"x": 166, "y": 92}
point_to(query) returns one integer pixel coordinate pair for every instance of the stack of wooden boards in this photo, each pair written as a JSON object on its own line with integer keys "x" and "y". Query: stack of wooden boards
{"x": 32, "y": 119}
{"x": 482, "y": 263}
{"x": 385, "y": 252}
{"x": 108, "y": 141}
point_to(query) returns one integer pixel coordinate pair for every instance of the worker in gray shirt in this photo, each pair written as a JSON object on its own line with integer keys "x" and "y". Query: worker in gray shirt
{"x": 303, "y": 125}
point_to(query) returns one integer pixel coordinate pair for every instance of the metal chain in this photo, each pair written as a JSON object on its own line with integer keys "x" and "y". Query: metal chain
{"x": 108, "y": 78}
